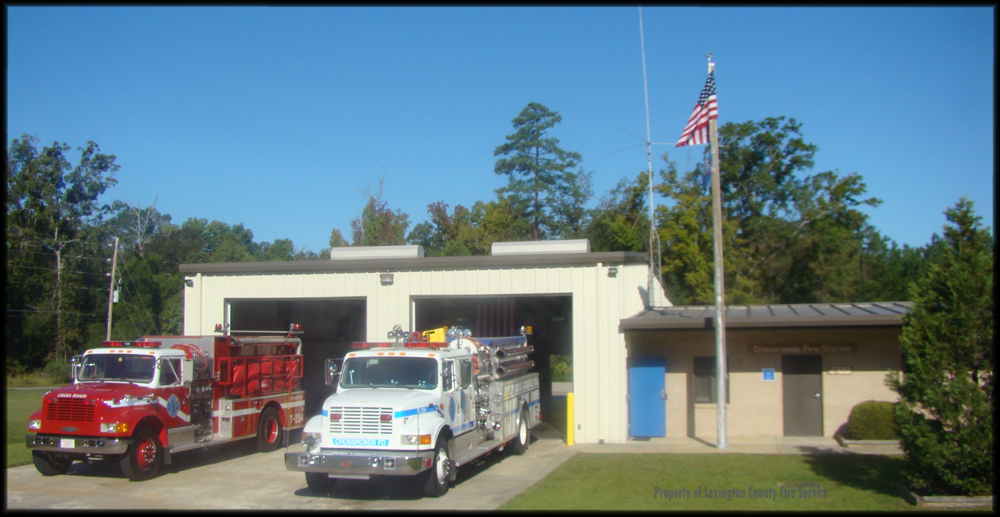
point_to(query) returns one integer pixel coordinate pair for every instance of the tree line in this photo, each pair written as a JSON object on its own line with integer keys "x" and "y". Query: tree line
{"x": 790, "y": 235}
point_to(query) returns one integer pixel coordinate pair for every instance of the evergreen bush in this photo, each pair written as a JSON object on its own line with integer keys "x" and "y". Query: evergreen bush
{"x": 945, "y": 411}
{"x": 58, "y": 372}
{"x": 873, "y": 420}
{"x": 562, "y": 368}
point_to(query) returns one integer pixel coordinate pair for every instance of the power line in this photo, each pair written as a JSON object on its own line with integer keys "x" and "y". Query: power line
{"x": 64, "y": 313}
{"x": 64, "y": 287}
{"x": 49, "y": 254}
{"x": 63, "y": 270}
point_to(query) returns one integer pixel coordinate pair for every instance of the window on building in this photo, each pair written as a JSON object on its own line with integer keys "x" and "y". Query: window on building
{"x": 705, "y": 387}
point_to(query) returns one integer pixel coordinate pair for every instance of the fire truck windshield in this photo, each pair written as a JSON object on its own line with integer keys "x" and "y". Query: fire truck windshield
{"x": 390, "y": 372}
{"x": 117, "y": 367}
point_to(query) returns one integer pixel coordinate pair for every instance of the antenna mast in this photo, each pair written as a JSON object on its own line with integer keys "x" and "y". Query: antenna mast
{"x": 649, "y": 162}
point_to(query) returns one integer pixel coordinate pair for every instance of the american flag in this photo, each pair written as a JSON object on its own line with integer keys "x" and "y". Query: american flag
{"x": 696, "y": 131}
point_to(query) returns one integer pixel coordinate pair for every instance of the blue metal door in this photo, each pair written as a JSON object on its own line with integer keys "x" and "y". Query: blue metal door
{"x": 647, "y": 396}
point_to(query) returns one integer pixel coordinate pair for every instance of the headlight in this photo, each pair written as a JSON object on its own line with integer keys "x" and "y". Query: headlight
{"x": 311, "y": 439}
{"x": 114, "y": 427}
{"x": 414, "y": 439}
{"x": 34, "y": 424}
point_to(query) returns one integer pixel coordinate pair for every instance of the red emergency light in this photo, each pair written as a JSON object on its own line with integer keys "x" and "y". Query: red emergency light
{"x": 358, "y": 344}
{"x": 425, "y": 344}
{"x": 135, "y": 344}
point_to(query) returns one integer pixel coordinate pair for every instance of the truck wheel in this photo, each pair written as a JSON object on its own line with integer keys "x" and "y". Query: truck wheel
{"x": 50, "y": 464}
{"x": 269, "y": 431}
{"x": 436, "y": 482}
{"x": 320, "y": 483}
{"x": 523, "y": 436}
{"x": 144, "y": 455}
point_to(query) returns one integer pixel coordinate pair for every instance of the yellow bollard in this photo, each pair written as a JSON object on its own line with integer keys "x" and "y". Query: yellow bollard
{"x": 569, "y": 419}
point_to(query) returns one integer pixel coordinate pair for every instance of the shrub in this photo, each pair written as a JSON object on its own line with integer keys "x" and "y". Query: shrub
{"x": 873, "y": 420}
{"x": 945, "y": 410}
{"x": 562, "y": 368}
{"x": 15, "y": 368}
{"x": 58, "y": 372}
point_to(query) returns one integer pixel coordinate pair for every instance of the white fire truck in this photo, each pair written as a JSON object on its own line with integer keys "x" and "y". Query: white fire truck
{"x": 138, "y": 402}
{"x": 422, "y": 406}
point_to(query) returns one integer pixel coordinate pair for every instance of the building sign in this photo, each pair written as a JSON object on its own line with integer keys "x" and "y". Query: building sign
{"x": 801, "y": 349}
{"x": 839, "y": 370}
{"x": 768, "y": 374}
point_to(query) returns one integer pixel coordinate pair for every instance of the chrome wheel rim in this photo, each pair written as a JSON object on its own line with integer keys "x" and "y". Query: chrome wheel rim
{"x": 442, "y": 466}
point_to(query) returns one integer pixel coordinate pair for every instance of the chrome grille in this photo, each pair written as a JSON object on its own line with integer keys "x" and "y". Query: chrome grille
{"x": 70, "y": 410}
{"x": 360, "y": 420}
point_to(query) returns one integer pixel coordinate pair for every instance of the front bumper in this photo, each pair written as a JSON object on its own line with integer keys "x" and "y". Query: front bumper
{"x": 77, "y": 445}
{"x": 360, "y": 464}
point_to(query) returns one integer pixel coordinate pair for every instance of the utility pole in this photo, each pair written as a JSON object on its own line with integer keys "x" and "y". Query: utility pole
{"x": 111, "y": 289}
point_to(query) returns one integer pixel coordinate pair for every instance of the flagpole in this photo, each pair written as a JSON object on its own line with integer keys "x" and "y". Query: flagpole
{"x": 720, "y": 310}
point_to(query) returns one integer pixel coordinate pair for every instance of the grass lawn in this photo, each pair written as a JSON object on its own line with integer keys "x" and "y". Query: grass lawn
{"x": 20, "y": 405}
{"x": 756, "y": 482}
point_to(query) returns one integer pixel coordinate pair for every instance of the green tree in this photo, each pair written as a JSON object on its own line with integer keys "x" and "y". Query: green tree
{"x": 337, "y": 239}
{"x": 447, "y": 235}
{"x": 620, "y": 222}
{"x": 945, "y": 412}
{"x": 378, "y": 225}
{"x": 786, "y": 239}
{"x": 50, "y": 204}
{"x": 135, "y": 226}
{"x": 887, "y": 270}
{"x": 496, "y": 221}
{"x": 469, "y": 231}
{"x": 542, "y": 186}
{"x": 279, "y": 250}
{"x": 824, "y": 239}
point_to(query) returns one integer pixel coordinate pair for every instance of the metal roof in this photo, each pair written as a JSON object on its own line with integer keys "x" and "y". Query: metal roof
{"x": 421, "y": 263}
{"x": 771, "y": 316}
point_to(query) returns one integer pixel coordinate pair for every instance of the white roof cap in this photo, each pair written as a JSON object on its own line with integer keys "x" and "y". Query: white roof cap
{"x": 539, "y": 247}
{"x": 376, "y": 252}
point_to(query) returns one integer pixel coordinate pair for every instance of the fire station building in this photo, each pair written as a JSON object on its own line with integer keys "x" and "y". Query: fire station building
{"x": 641, "y": 370}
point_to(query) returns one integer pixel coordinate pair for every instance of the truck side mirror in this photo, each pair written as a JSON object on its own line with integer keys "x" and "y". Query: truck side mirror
{"x": 332, "y": 371}
{"x": 187, "y": 372}
{"x": 74, "y": 366}
{"x": 447, "y": 380}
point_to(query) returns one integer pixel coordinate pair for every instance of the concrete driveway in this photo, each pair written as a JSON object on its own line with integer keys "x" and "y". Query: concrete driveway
{"x": 234, "y": 476}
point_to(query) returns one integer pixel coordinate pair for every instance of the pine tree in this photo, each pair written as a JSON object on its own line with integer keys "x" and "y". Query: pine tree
{"x": 541, "y": 183}
{"x": 945, "y": 412}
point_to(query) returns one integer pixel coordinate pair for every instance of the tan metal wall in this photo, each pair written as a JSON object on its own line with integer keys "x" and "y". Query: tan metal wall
{"x": 599, "y": 303}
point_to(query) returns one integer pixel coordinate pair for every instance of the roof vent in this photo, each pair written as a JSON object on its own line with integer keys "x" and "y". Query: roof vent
{"x": 541, "y": 247}
{"x": 376, "y": 252}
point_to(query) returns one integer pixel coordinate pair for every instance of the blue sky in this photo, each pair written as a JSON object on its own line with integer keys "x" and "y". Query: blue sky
{"x": 281, "y": 118}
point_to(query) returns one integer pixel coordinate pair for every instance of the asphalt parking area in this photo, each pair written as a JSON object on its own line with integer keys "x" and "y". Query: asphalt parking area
{"x": 234, "y": 476}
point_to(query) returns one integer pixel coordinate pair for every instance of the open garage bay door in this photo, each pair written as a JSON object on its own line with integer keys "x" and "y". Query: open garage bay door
{"x": 549, "y": 316}
{"x": 329, "y": 327}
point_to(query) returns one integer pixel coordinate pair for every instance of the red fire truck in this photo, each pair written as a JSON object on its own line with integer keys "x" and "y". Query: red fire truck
{"x": 138, "y": 402}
